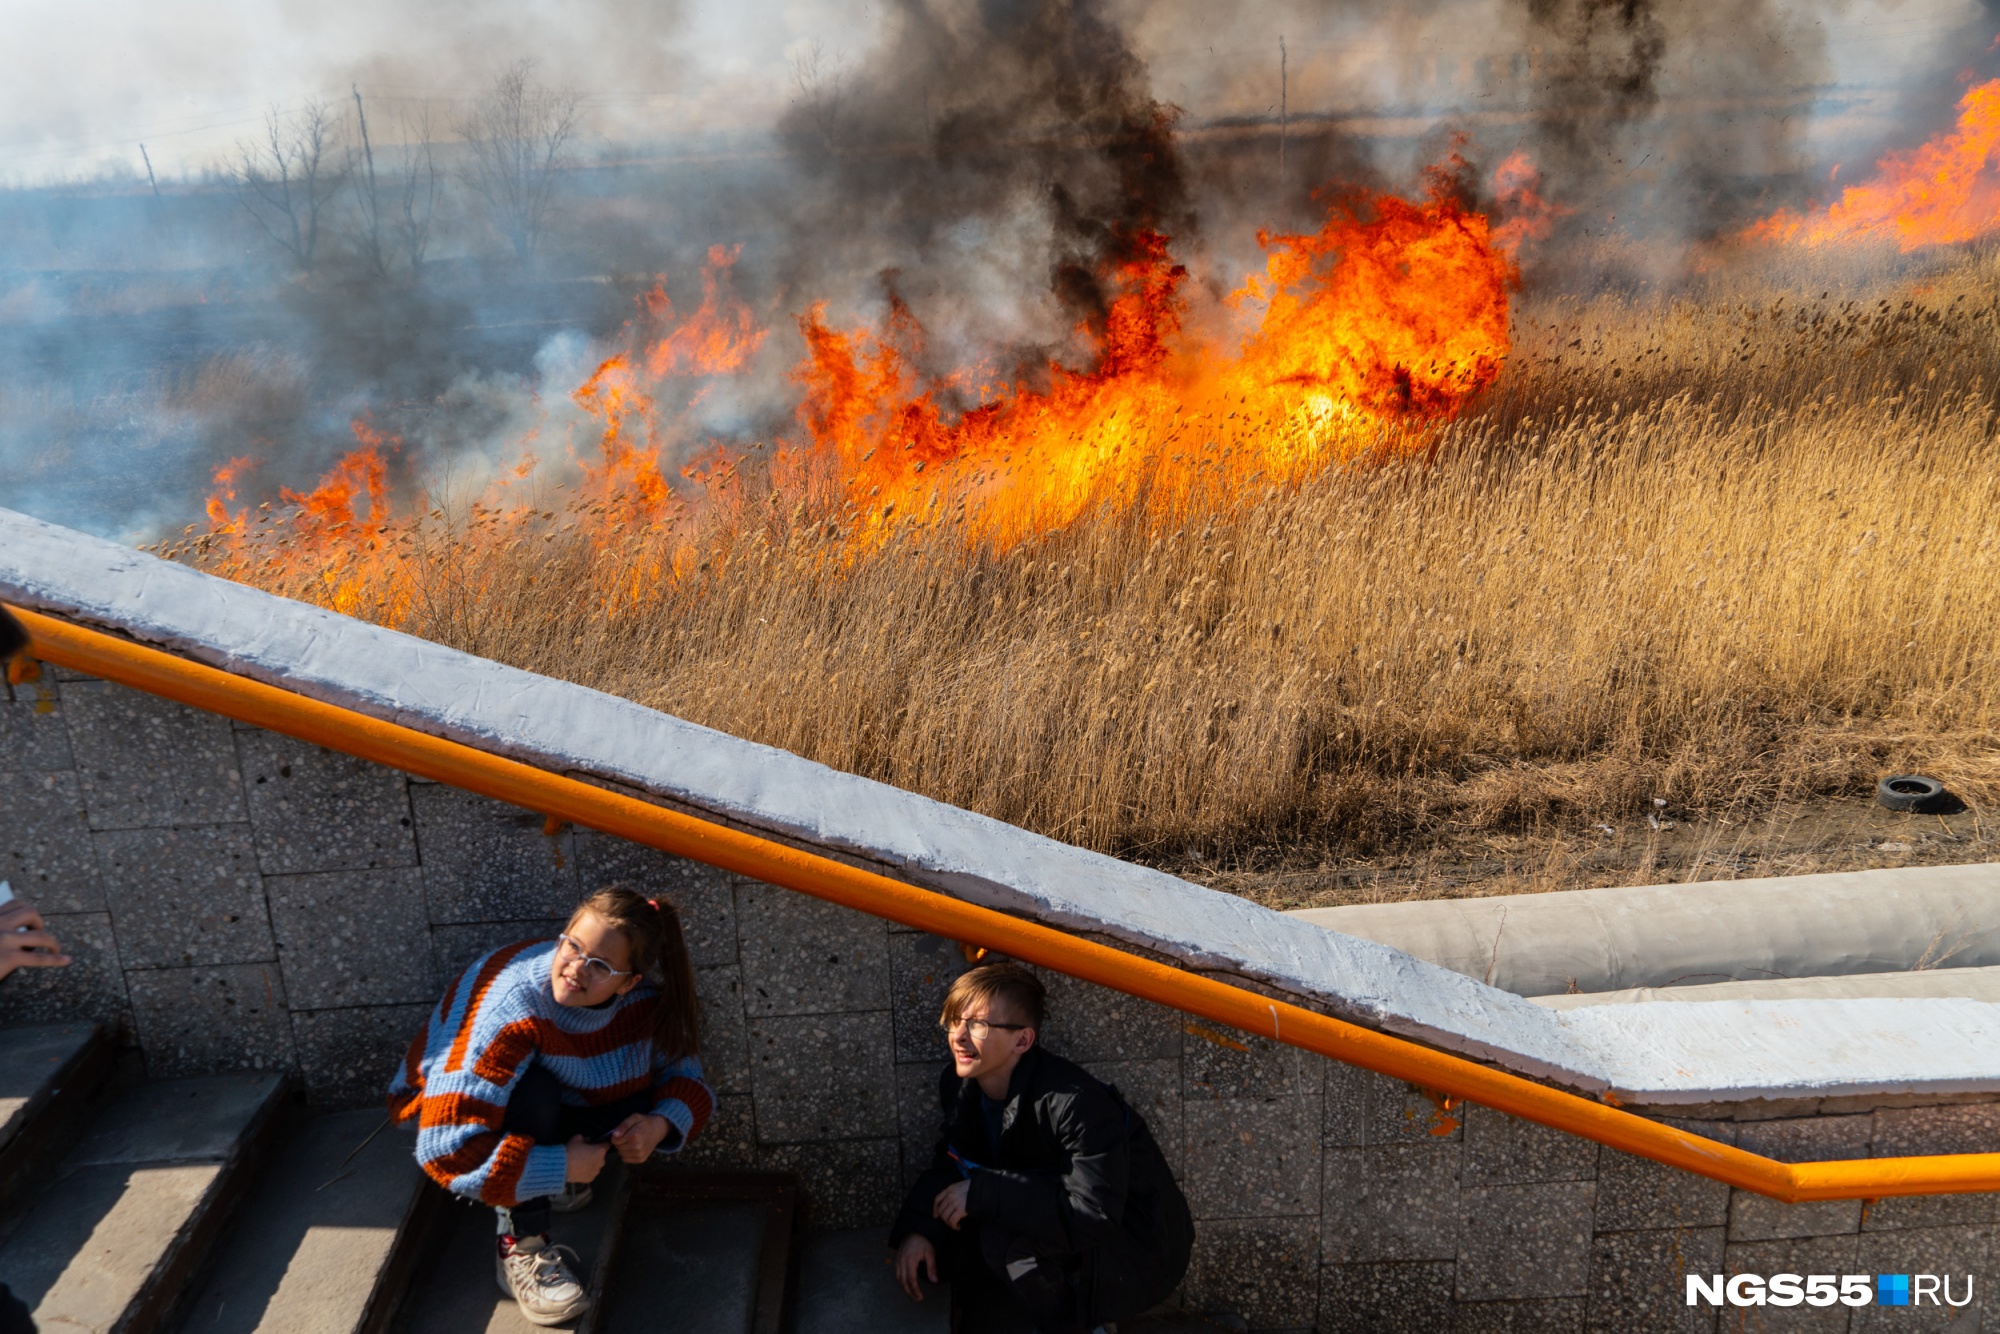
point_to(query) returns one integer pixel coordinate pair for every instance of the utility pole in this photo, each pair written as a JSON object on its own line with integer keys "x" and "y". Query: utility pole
{"x": 1284, "y": 87}
{"x": 151, "y": 180}
{"x": 374, "y": 199}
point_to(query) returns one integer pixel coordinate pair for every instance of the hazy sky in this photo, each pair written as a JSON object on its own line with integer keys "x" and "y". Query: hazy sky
{"x": 82, "y": 85}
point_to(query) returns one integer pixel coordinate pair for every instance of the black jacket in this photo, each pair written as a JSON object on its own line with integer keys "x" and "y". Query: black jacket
{"x": 1076, "y": 1164}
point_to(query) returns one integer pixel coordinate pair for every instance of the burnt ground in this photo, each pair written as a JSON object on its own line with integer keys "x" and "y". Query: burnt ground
{"x": 1840, "y": 834}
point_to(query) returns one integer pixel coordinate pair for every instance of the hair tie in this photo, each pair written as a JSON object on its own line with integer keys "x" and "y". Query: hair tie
{"x": 655, "y": 903}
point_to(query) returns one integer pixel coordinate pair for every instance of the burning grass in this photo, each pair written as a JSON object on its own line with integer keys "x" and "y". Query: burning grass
{"x": 1729, "y": 550}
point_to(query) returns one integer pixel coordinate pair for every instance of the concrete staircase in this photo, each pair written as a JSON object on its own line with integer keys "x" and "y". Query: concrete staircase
{"x": 218, "y": 1205}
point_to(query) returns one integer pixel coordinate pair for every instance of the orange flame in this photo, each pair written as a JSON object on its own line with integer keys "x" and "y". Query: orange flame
{"x": 1939, "y": 193}
{"x": 718, "y": 339}
{"x": 1354, "y": 337}
{"x": 220, "y": 520}
{"x": 1526, "y": 215}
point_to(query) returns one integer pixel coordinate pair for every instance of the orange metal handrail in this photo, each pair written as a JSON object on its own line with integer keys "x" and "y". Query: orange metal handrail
{"x": 559, "y": 797}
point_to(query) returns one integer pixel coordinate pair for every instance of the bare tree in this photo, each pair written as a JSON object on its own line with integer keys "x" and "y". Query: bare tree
{"x": 821, "y": 82}
{"x": 519, "y": 136}
{"x": 287, "y": 182}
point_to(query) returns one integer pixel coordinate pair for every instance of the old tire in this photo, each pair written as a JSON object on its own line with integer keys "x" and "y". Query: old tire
{"x": 1911, "y": 792}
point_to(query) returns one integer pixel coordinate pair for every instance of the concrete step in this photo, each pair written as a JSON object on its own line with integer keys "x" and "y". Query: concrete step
{"x": 713, "y": 1247}
{"x": 455, "y": 1290}
{"x": 699, "y": 1262}
{"x": 326, "y": 1240}
{"x": 51, "y": 1076}
{"x": 112, "y": 1243}
{"x": 847, "y": 1285}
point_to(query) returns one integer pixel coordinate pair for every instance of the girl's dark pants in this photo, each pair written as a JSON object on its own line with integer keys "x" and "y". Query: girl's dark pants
{"x": 538, "y": 1111}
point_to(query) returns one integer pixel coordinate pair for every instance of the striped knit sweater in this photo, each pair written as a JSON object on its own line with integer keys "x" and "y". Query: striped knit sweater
{"x": 493, "y": 1022}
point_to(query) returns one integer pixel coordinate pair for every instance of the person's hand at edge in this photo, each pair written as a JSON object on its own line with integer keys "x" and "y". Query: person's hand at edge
{"x": 25, "y": 940}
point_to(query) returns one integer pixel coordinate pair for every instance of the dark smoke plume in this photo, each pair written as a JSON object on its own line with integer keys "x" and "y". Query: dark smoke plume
{"x": 1016, "y": 134}
{"x": 1678, "y": 120}
{"x": 1601, "y": 73}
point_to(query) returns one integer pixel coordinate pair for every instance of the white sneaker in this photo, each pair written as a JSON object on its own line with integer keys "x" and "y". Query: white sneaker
{"x": 575, "y": 1195}
{"x": 533, "y": 1273}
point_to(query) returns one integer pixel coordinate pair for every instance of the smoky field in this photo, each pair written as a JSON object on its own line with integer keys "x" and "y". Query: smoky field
{"x": 1695, "y": 557}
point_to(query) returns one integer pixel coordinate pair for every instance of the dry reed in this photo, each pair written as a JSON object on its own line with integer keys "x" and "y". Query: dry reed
{"x": 1725, "y": 549}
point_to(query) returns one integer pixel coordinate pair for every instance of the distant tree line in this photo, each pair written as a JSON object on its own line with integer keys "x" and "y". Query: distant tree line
{"x": 317, "y": 181}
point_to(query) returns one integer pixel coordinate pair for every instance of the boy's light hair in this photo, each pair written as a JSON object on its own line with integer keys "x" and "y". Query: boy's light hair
{"x": 1007, "y": 984}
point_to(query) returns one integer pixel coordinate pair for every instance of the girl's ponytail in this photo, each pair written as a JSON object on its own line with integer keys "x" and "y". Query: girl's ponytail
{"x": 652, "y": 931}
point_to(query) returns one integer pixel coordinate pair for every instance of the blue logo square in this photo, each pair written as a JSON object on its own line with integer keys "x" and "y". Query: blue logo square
{"x": 1892, "y": 1289}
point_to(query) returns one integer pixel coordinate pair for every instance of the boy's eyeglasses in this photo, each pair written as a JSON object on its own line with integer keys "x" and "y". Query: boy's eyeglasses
{"x": 976, "y": 1029}
{"x": 594, "y": 969}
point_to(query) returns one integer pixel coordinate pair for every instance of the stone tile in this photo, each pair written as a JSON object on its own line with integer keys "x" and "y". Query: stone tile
{"x": 1153, "y": 1090}
{"x": 1525, "y": 1241}
{"x": 1807, "y": 1139}
{"x": 1386, "y": 1298}
{"x": 1391, "y": 1202}
{"x": 1638, "y": 1280}
{"x": 45, "y": 847}
{"x": 91, "y": 987}
{"x": 728, "y": 1140}
{"x": 1953, "y": 1253}
{"x": 199, "y": 1021}
{"x": 1888, "y": 1215}
{"x": 1219, "y": 1062}
{"x": 147, "y": 762}
{"x": 802, "y": 955}
{"x": 1549, "y": 1315}
{"x": 705, "y": 895}
{"x": 453, "y": 948}
{"x": 1755, "y": 1217}
{"x": 1263, "y": 1269}
{"x": 1816, "y": 1255}
{"x": 348, "y": 938}
{"x": 725, "y": 1039}
{"x": 1502, "y": 1150}
{"x": 348, "y": 1057}
{"x": 1090, "y": 1023}
{"x": 34, "y": 735}
{"x": 1363, "y": 1107}
{"x": 919, "y": 1119}
{"x": 824, "y": 1076}
{"x": 1636, "y": 1194}
{"x": 485, "y": 861}
{"x": 922, "y": 968}
{"x": 184, "y": 897}
{"x": 842, "y": 1183}
{"x": 1251, "y": 1157}
{"x": 315, "y": 809}
{"x": 1911, "y": 1131}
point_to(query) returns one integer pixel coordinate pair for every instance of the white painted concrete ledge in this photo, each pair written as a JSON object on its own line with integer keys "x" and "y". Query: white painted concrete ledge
{"x": 1681, "y": 1053}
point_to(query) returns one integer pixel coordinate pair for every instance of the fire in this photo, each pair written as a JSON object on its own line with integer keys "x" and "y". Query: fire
{"x": 1393, "y": 312}
{"x": 718, "y": 339}
{"x": 1942, "y": 192}
{"x": 1526, "y": 214}
{"x": 1355, "y": 337}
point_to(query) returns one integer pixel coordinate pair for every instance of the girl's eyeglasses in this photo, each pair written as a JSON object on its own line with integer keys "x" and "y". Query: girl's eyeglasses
{"x": 594, "y": 969}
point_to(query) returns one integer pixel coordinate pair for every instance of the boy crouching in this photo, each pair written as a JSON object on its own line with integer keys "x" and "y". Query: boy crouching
{"x": 1046, "y": 1187}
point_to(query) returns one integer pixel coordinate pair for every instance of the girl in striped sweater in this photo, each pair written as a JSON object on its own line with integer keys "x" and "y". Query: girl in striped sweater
{"x": 542, "y": 1059}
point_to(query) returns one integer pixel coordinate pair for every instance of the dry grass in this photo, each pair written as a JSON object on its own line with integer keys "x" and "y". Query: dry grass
{"x": 1731, "y": 550}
